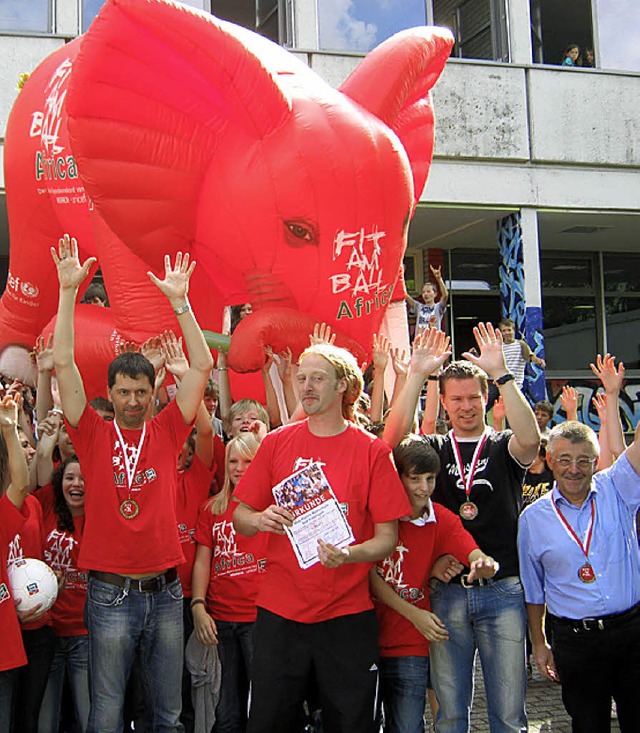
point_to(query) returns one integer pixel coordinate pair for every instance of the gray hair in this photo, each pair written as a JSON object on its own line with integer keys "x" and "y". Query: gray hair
{"x": 574, "y": 432}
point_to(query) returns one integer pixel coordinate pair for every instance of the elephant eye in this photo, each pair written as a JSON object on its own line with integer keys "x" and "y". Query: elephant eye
{"x": 300, "y": 233}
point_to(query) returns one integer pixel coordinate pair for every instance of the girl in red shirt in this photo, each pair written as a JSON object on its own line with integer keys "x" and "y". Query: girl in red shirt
{"x": 224, "y": 586}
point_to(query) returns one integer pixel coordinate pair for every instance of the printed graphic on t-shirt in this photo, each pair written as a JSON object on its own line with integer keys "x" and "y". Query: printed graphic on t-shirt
{"x": 227, "y": 559}
{"x": 452, "y": 470}
{"x": 58, "y": 555}
{"x": 15, "y": 550}
{"x": 185, "y": 534}
{"x": 142, "y": 477}
{"x": 392, "y": 574}
{"x": 4, "y": 592}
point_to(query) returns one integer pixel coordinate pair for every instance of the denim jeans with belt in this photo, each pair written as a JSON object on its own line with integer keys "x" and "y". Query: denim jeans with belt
{"x": 492, "y": 620}
{"x": 123, "y": 622}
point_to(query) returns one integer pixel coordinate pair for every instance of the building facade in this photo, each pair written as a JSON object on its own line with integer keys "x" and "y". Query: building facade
{"x": 533, "y": 202}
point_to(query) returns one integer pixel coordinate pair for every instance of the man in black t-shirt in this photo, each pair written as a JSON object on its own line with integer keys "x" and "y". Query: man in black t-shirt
{"x": 481, "y": 478}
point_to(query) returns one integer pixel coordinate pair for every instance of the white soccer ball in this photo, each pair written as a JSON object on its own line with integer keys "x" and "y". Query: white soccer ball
{"x": 34, "y": 582}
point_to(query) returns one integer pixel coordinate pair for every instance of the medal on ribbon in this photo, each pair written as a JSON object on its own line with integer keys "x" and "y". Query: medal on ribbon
{"x": 586, "y": 573}
{"x": 130, "y": 508}
{"x": 468, "y": 510}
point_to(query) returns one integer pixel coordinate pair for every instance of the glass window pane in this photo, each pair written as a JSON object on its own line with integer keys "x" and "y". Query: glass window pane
{"x": 18, "y": 15}
{"x": 474, "y": 270}
{"x": 566, "y": 272}
{"x": 569, "y": 331}
{"x": 618, "y": 42}
{"x": 621, "y": 273}
{"x": 623, "y": 321}
{"x": 90, "y": 9}
{"x": 360, "y": 25}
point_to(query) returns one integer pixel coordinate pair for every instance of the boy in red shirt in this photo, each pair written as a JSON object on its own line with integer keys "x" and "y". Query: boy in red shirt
{"x": 399, "y": 582}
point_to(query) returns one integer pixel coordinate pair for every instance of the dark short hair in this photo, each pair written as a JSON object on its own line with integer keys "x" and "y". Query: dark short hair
{"x": 506, "y": 322}
{"x": 463, "y": 370}
{"x": 413, "y": 454}
{"x": 545, "y": 406}
{"x": 95, "y": 290}
{"x": 102, "y": 403}
{"x": 131, "y": 364}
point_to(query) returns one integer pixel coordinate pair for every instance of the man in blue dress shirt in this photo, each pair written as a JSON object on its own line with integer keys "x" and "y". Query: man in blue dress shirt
{"x": 579, "y": 557}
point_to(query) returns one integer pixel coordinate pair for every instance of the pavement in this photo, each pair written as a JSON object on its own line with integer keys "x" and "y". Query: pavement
{"x": 545, "y": 710}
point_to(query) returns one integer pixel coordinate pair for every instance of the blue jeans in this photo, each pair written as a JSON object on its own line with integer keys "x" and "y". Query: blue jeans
{"x": 123, "y": 622}
{"x": 71, "y": 656}
{"x": 492, "y": 620}
{"x": 403, "y": 689}
{"x": 235, "y": 650}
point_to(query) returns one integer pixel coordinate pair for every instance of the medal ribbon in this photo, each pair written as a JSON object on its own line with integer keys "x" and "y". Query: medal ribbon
{"x": 588, "y": 534}
{"x": 130, "y": 466}
{"x": 467, "y": 479}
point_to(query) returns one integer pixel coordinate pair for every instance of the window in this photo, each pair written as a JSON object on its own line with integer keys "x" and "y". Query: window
{"x": 360, "y": 25}
{"x": 555, "y": 25}
{"x": 478, "y": 25}
{"x": 270, "y": 18}
{"x": 618, "y": 45}
{"x": 33, "y": 16}
{"x": 570, "y": 311}
{"x": 621, "y": 275}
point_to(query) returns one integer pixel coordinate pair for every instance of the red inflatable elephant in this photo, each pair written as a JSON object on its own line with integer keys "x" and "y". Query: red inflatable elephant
{"x": 165, "y": 129}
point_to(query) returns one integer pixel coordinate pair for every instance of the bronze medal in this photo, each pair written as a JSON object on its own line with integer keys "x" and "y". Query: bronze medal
{"x": 468, "y": 510}
{"x": 129, "y": 509}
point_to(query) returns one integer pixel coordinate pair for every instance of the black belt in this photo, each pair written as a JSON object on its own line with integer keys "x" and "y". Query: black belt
{"x": 598, "y": 624}
{"x": 462, "y": 579}
{"x": 143, "y": 585}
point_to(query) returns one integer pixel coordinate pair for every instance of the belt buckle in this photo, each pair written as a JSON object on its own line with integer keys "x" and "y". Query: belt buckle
{"x": 597, "y": 623}
{"x": 466, "y": 584}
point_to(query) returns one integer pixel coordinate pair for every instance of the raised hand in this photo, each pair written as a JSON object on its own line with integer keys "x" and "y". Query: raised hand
{"x": 174, "y": 357}
{"x": 605, "y": 370}
{"x": 283, "y": 364}
{"x": 322, "y": 335}
{"x": 8, "y": 412}
{"x": 430, "y": 351}
{"x": 600, "y": 403}
{"x": 175, "y": 284}
{"x": 152, "y": 349}
{"x": 268, "y": 358}
{"x": 400, "y": 361}
{"x": 491, "y": 359}
{"x": 43, "y": 354}
{"x": 124, "y": 347}
{"x": 569, "y": 402}
{"x": 71, "y": 273}
{"x": 380, "y": 352}
{"x": 437, "y": 272}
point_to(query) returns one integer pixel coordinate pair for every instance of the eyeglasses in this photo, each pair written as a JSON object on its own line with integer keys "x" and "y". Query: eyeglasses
{"x": 583, "y": 463}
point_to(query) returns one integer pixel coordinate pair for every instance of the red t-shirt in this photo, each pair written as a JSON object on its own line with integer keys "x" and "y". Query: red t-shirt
{"x": 29, "y": 542}
{"x": 237, "y": 562}
{"x": 193, "y": 489}
{"x": 61, "y": 552}
{"x": 407, "y": 572}
{"x": 148, "y": 542}
{"x": 11, "y": 649}
{"x": 360, "y": 469}
{"x": 46, "y": 498}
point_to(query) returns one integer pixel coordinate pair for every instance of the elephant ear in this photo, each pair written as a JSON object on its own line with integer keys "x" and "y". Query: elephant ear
{"x": 154, "y": 89}
{"x": 394, "y": 81}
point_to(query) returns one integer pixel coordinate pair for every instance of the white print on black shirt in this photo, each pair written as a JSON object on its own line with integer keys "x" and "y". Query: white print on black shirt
{"x": 452, "y": 470}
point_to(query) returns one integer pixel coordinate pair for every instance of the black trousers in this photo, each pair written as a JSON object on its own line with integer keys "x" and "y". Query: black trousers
{"x": 595, "y": 666}
{"x": 341, "y": 653}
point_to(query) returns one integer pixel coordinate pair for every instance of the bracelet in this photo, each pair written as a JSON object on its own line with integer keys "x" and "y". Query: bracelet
{"x": 433, "y": 378}
{"x": 501, "y": 381}
{"x": 223, "y": 369}
{"x": 196, "y": 601}
{"x": 182, "y": 309}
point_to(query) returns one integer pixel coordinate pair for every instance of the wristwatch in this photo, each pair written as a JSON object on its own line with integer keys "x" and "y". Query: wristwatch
{"x": 501, "y": 381}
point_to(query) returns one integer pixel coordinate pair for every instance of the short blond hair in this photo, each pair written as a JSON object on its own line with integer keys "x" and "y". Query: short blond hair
{"x": 346, "y": 367}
